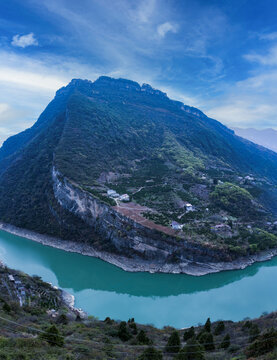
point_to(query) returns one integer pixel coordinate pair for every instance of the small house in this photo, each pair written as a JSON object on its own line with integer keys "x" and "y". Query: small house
{"x": 11, "y": 278}
{"x": 124, "y": 197}
{"x": 110, "y": 192}
{"x": 176, "y": 226}
{"x": 189, "y": 207}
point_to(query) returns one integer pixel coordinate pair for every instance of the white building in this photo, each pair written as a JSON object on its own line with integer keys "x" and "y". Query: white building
{"x": 189, "y": 207}
{"x": 176, "y": 226}
{"x": 124, "y": 197}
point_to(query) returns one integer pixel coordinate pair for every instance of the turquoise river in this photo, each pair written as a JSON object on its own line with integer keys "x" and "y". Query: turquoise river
{"x": 102, "y": 289}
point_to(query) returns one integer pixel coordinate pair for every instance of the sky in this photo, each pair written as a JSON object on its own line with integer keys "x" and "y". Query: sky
{"x": 217, "y": 55}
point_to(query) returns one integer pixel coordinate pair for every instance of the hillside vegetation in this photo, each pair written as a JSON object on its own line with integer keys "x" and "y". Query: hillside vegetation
{"x": 116, "y": 134}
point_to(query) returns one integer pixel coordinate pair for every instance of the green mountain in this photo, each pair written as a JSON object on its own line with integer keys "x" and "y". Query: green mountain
{"x": 173, "y": 162}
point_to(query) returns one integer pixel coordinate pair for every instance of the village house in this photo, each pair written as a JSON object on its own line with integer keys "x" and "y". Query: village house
{"x": 176, "y": 226}
{"x": 189, "y": 207}
{"x": 112, "y": 193}
{"x": 11, "y": 278}
{"x": 124, "y": 197}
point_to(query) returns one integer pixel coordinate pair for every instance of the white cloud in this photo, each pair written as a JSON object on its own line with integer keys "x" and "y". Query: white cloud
{"x": 24, "y": 40}
{"x": 166, "y": 27}
{"x": 144, "y": 10}
{"x": 270, "y": 58}
{"x": 268, "y": 36}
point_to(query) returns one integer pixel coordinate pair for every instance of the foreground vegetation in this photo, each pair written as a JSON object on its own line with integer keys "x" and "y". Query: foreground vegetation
{"x": 45, "y": 327}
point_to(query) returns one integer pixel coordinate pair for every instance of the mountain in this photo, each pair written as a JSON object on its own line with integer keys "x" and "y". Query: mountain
{"x": 198, "y": 192}
{"x": 264, "y": 137}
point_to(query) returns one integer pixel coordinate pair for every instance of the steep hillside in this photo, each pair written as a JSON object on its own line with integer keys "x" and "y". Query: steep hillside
{"x": 194, "y": 191}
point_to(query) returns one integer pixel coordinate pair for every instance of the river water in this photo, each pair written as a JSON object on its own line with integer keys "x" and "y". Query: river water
{"x": 102, "y": 289}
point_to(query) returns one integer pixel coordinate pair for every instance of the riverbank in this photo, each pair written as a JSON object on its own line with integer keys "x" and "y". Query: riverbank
{"x": 131, "y": 265}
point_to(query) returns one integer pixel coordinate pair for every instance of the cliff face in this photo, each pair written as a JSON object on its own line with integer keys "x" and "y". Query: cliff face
{"x": 124, "y": 235}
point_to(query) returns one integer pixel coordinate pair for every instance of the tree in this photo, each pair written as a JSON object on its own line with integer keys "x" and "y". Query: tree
{"x": 6, "y": 307}
{"x": 191, "y": 351}
{"x": 220, "y": 327}
{"x": 207, "y": 326}
{"x": 151, "y": 354}
{"x": 254, "y": 332}
{"x": 206, "y": 338}
{"x": 143, "y": 338}
{"x": 173, "y": 344}
{"x": 123, "y": 332}
{"x": 62, "y": 319}
{"x": 133, "y": 326}
{"x": 225, "y": 342}
{"x": 53, "y": 337}
{"x": 264, "y": 344}
{"x": 189, "y": 333}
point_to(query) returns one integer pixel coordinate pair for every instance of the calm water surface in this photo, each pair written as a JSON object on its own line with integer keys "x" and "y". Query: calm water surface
{"x": 102, "y": 289}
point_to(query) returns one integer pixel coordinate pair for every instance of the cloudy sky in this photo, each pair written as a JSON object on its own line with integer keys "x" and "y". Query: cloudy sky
{"x": 217, "y": 55}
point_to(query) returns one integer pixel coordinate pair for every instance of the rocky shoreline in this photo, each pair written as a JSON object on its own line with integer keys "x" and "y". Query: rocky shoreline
{"x": 138, "y": 265}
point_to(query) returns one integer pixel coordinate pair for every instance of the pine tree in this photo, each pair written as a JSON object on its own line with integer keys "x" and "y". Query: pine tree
{"x": 123, "y": 332}
{"x": 207, "y": 326}
{"x": 53, "y": 337}
{"x": 191, "y": 351}
{"x": 142, "y": 338}
{"x": 206, "y": 338}
{"x": 151, "y": 354}
{"x": 220, "y": 327}
{"x": 225, "y": 342}
{"x": 173, "y": 344}
{"x": 189, "y": 333}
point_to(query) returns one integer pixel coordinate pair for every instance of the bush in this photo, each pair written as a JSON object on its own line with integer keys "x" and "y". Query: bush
{"x": 173, "y": 344}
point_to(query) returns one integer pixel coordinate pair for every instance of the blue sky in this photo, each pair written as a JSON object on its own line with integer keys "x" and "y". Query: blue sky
{"x": 217, "y": 55}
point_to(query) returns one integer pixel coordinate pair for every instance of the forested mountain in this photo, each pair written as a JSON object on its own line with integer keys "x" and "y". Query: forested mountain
{"x": 176, "y": 165}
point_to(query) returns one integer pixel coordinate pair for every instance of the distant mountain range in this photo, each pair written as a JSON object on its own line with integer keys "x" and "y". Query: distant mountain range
{"x": 195, "y": 187}
{"x": 264, "y": 137}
